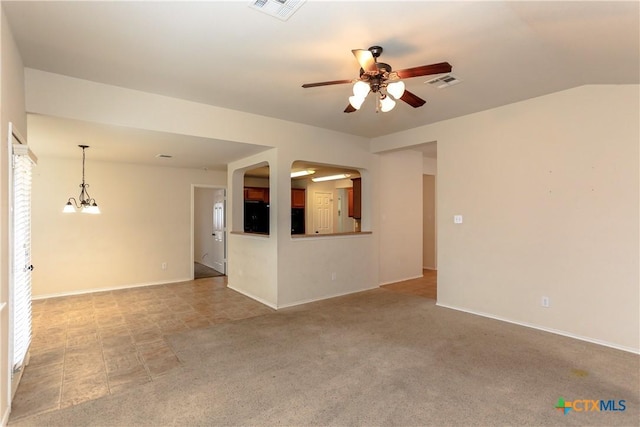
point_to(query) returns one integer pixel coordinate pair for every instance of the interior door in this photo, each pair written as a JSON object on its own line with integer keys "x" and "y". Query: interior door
{"x": 323, "y": 212}
{"x": 219, "y": 231}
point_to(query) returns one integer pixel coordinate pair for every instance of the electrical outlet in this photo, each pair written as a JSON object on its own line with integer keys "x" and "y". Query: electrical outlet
{"x": 545, "y": 302}
{"x": 164, "y": 266}
{"x": 457, "y": 219}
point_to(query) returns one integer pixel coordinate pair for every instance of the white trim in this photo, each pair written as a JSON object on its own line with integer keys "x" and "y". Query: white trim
{"x": 2, "y": 306}
{"x": 5, "y": 417}
{"x": 401, "y": 280}
{"x": 24, "y": 150}
{"x": 545, "y": 329}
{"x": 430, "y": 268}
{"x": 118, "y": 288}
{"x": 253, "y": 297}
{"x": 324, "y": 297}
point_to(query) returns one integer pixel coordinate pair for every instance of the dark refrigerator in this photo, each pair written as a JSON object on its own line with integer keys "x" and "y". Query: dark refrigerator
{"x": 256, "y": 217}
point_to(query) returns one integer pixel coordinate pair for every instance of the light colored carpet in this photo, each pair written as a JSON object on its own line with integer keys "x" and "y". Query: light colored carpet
{"x": 373, "y": 358}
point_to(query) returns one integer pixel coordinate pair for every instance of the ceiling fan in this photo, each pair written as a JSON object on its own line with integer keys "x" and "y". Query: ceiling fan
{"x": 379, "y": 78}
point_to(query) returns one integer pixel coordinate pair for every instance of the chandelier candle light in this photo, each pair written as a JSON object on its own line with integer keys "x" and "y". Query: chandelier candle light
{"x": 86, "y": 204}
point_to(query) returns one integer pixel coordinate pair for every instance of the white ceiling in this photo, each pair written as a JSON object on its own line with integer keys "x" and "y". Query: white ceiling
{"x": 59, "y": 137}
{"x": 226, "y": 54}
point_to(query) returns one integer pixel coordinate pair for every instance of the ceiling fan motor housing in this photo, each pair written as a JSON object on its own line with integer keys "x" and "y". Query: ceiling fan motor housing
{"x": 376, "y": 51}
{"x": 377, "y": 80}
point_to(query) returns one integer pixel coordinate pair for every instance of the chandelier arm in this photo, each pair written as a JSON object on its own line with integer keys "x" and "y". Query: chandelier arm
{"x": 75, "y": 202}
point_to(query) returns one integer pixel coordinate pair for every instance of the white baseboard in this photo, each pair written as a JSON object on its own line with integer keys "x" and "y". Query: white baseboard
{"x": 118, "y": 288}
{"x": 324, "y": 297}
{"x": 253, "y": 297}
{"x": 430, "y": 268}
{"x": 545, "y": 329}
{"x": 5, "y": 417}
{"x": 400, "y": 280}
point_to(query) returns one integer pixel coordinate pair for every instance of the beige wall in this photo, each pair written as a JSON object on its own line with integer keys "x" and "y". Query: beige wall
{"x": 146, "y": 220}
{"x": 548, "y": 189}
{"x": 11, "y": 110}
{"x": 400, "y": 213}
{"x": 429, "y": 222}
{"x": 258, "y": 266}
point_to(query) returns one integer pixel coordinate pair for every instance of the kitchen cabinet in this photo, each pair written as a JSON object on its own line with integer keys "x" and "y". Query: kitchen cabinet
{"x": 256, "y": 194}
{"x": 354, "y": 196}
{"x": 350, "y": 201}
{"x": 297, "y": 197}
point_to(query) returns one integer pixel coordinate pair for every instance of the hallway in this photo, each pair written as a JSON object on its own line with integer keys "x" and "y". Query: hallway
{"x": 425, "y": 286}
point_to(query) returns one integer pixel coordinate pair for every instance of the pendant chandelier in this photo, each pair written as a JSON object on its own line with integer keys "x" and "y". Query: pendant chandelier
{"x": 84, "y": 203}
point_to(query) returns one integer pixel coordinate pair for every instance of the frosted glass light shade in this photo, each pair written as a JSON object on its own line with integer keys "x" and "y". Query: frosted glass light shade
{"x": 68, "y": 208}
{"x": 356, "y": 101}
{"x": 361, "y": 89}
{"x": 387, "y": 104}
{"x": 93, "y": 209}
{"x": 396, "y": 89}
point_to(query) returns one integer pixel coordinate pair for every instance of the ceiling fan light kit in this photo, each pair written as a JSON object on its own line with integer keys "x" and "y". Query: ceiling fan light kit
{"x": 379, "y": 78}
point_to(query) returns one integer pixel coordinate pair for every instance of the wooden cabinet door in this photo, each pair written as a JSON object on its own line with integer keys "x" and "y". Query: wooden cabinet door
{"x": 297, "y": 197}
{"x": 350, "y": 201}
{"x": 357, "y": 198}
{"x": 255, "y": 193}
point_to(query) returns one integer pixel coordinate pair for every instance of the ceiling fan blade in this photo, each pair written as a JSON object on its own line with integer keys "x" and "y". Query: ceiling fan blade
{"x": 425, "y": 70}
{"x": 332, "y": 82}
{"x": 349, "y": 109}
{"x": 414, "y": 100}
{"x": 365, "y": 59}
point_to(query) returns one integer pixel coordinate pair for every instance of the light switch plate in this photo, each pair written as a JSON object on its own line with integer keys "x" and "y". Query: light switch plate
{"x": 457, "y": 219}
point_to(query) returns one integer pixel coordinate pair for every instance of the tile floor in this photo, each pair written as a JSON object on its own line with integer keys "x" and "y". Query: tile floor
{"x": 425, "y": 286}
{"x": 87, "y": 346}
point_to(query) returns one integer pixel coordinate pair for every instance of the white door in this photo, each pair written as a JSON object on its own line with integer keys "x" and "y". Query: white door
{"x": 219, "y": 232}
{"x": 322, "y": 212}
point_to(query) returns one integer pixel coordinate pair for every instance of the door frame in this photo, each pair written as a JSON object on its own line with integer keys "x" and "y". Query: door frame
{"x": 193, "y": 213}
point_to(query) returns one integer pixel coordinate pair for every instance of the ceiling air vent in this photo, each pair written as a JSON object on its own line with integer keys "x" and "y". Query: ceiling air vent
{"x": 164, "y": 156}
{"x": 281, "y": 9}
{"x": 444, "y": 81}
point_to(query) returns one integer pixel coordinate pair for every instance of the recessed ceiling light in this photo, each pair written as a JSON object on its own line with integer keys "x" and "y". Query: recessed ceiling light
{"x": 331, "y": 177}
{"x": 304, "y": 172}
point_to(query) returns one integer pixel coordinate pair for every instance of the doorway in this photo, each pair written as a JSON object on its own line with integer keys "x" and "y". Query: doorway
{"x": 209, "y": 232}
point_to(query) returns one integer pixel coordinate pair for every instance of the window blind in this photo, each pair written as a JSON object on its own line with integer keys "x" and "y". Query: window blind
{"x": 21, "y": 289}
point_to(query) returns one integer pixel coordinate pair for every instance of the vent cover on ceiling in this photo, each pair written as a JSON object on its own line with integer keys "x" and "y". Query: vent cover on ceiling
{"x": 281, "y": 9}
{"x": 164, "y": 156}
{"x": 444, "y": 81}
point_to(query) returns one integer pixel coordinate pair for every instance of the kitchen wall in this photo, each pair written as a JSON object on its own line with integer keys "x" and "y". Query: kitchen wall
{"x": 328, "y": 187}
{"x": 549, "y": 193}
